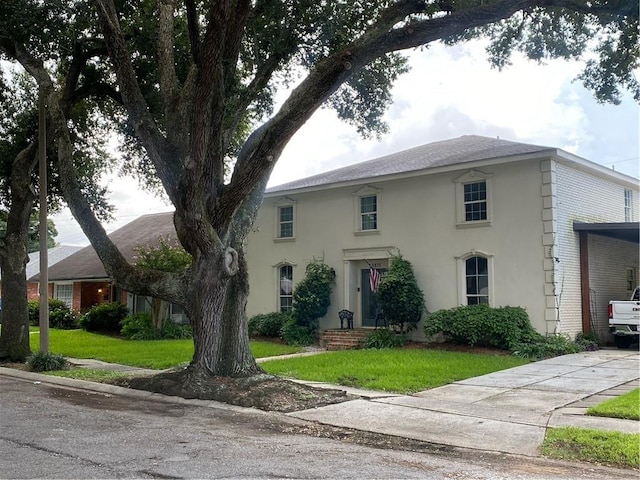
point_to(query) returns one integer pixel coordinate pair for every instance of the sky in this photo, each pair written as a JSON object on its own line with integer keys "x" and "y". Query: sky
{"x": 449, "y": 92}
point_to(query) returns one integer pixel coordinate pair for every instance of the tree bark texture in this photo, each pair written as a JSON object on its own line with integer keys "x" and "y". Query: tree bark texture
{"x": 14, "y": 337}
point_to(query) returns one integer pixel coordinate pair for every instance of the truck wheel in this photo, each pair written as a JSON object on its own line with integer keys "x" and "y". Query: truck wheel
{"x": 623, "y": 341}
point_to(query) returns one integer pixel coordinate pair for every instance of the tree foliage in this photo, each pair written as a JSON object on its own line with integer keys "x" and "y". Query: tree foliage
{"x": 401, "y": 299}
{"x": 312, "y": 295}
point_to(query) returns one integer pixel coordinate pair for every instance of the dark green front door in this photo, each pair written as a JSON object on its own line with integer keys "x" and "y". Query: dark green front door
{"x": 370, "y": 302}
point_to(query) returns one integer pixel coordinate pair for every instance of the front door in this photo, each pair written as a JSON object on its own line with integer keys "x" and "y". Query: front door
{"x": 370, "y": 300}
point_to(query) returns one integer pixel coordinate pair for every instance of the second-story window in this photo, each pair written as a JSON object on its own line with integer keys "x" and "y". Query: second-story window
{"x": 475, "y": 201}
{"x": 369, "y": 212}
{"x": 285, "y": 221}
{"x": 628, "y": 205}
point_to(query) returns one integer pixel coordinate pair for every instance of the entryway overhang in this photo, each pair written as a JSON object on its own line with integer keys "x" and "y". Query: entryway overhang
{"x": 627, "y": 231}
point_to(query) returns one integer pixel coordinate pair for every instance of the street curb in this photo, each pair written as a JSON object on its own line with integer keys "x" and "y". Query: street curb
{"x": 107, "y": 389}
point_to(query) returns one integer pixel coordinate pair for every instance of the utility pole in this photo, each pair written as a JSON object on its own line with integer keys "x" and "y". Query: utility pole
{"x": 44, "y": 260}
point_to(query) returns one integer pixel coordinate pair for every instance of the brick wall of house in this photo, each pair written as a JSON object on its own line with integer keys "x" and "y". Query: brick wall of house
{"x": 586, "y": 197}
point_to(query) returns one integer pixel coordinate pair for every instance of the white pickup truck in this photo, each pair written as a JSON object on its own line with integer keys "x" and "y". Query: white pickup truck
{"x": 624, "y": 320}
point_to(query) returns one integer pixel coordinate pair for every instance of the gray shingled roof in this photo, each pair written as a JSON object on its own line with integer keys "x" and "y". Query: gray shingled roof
{"x": 143, "y": 231}
{"x": 54, "y": 255}
{"x": 467, "y": 148}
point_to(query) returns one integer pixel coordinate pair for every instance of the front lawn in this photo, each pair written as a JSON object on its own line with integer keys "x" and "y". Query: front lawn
{"x": 155, "y": 354}
{"x": 596, "y": 446}
{"x": 393, "y": 370}
{"x": 625, "y": 406}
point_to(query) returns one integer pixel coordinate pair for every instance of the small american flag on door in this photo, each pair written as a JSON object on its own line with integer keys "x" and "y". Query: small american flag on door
{"x": 374, "y": 279}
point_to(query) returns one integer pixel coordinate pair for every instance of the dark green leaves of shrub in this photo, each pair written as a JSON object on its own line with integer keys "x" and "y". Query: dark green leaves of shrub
{"x": 401, "y": 299}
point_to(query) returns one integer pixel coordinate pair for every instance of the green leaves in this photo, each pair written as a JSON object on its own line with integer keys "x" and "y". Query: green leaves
{"x": 401, "y": 299}
{"x": 164, "y": 256}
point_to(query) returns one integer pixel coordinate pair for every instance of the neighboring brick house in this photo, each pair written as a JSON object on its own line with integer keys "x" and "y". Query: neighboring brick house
{"x": 54, "y": 255}
{"x": 480, "y": 219}
{"x": 81, "y": 281}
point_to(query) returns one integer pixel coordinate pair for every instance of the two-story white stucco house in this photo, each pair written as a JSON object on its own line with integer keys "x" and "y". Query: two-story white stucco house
{"x": 481, "y": 220}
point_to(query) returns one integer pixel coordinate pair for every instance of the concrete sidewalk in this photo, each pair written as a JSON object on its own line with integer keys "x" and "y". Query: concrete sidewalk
{"x": 505, "y": 411}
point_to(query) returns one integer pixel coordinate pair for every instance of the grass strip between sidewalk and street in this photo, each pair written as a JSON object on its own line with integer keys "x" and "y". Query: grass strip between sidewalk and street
{"x": 595, "y": 446}
{"x": 392, "y": 370}
{"x": 625, "y": 406}
{"x": 154, "y": 354}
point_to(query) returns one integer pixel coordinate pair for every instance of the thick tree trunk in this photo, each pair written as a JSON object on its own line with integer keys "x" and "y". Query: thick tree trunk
{"x": 14, "y": 339}
{"x": 217, "y": 313}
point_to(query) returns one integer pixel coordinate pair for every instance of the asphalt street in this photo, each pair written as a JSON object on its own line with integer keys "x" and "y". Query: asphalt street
{"x": 52, "y": 431}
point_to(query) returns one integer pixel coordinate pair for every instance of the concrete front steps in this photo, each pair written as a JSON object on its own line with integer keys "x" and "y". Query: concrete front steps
{"x": 343, "y": 339}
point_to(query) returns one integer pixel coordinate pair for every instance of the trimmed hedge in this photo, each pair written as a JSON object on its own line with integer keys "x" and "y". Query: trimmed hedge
{"x": 60, "y": 316}
{"x": 268, "y": 324}
{"x": 503, "y": 327}
{"x": 105, "y": 317}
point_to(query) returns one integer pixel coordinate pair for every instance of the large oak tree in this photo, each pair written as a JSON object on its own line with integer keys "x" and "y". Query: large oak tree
{"x": 197, "y": 79}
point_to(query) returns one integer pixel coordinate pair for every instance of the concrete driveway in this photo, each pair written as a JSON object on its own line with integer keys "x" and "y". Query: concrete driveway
{"x": 505, "y": 411}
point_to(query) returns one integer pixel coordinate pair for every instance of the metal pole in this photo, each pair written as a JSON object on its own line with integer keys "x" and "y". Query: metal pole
{"x": 44, "y": 260}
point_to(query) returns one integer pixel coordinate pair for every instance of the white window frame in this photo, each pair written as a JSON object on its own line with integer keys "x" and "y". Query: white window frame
{"x": 628, "y": 205}
{"x": 56, "y": 293}
{"x": 473, "y": 176}
{"x": 462, "y": 275}
{"x": 358, "y": 196}
{"x": 285, "y": 202}
{"x": 279, "y": 296}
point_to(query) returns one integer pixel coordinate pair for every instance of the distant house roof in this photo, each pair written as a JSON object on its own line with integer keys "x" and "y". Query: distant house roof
{"x": 85, "y": 264}
{"x": 54, "y": 255}
{"x": 468, "y": 148}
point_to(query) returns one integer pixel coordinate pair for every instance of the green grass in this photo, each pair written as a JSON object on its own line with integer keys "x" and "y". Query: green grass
{"x": 155, "y": 354}
{"x": 595, "y": 446}
{"x": 393, "y": 370}
{"x": 625, "y": 406}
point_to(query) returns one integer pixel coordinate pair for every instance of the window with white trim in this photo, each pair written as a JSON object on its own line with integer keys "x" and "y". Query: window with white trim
{"x": 631, "y": 279}
{"x": 369, "y": 212}
{"x": 285, "y": 288}
{"x": 64, "y": 293}
{"x": 473, "y": 199}
{"x": 628, "y": 205}
{"x": 366, "y": 210}
{"x": 477, "y": 280}
{"x": 285, "y": 221}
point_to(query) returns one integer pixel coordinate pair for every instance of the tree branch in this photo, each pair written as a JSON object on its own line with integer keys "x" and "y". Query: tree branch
{"x": 160, "y": 151}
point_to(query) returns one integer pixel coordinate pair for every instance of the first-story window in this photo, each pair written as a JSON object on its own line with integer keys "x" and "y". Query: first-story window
{"x": 64, "y": 293}
{"x": 285, "y": 288}
{"x": 369, "y": 212}
{"x": 477, "y": 280}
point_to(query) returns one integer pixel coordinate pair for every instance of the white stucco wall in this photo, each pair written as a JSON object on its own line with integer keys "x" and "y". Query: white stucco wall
{"x": 417, "y": 216}
{"x": 589, "y": 197}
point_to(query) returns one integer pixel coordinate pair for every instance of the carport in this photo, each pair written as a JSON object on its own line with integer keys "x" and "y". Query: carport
{"x": 609, "y": 258}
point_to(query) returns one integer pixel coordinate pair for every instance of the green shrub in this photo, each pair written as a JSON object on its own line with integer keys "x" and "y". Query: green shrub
{"x": 294, "y": 334}
{"x": 401, "y": 299}
{"x": 383, "y": 338}
{"x": 589, "y": 341}
{"x": 46, "y": 362}
{"x": 268, "y": 324}
{"x": 312, "y": 296}
{"x": 541, "y": 347}
{"x": 105, "y": 317}
{"x": 139, "y": 326}
{"x": 502, "y": 327}
{"x": 60, "y": 315}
